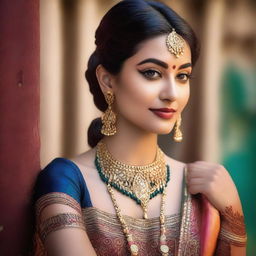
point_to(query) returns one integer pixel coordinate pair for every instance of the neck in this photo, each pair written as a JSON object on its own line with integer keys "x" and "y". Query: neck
{"x": 132, "y": 146}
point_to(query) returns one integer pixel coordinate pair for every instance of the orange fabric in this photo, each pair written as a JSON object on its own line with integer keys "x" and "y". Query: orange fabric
{"x": 210, "y": 227}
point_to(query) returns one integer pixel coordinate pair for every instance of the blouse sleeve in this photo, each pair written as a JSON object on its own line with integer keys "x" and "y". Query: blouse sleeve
{"x": 60, "y": 182}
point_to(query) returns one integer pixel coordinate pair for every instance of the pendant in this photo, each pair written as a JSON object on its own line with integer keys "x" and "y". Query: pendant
{"x": 142, "y": 191}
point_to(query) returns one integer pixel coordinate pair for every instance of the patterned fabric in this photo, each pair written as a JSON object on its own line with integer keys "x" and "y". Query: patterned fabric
{"x": 56, "y": 197}
{"x": 107, "y": 237}
{"x": 62, "y": 182}
{"x": 60, "y": 221}
{"x": 63, "y": 175}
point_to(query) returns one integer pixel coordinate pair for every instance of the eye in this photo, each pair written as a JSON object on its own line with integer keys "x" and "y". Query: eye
{"x": 151, "y": 74}
{"x": 184, "y": 77}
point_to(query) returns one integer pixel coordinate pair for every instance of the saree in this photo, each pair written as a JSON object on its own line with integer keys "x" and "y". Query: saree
{"x": 194, "y": 231}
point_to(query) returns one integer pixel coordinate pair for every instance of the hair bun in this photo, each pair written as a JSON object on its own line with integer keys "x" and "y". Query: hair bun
{"x": 94, "y": 134}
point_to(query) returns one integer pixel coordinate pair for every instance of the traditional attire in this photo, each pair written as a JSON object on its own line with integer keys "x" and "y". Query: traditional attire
{"x": 195, "y": 230}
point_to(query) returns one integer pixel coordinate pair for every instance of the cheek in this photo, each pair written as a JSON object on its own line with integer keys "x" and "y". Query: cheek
{"x": 133, "y": 101}
{"x": 184, "y": 97}
{"x": 135, "y": 94}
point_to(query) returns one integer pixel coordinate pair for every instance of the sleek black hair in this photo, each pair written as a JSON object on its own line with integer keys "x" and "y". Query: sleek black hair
{"x": 121, "y": 30}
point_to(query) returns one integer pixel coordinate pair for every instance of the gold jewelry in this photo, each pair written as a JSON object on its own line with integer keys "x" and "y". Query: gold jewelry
{"x": 134, "y": 249}
{"x": 177, "y": 132}
{"x": 109, "y": 117}
{"x": 141, "y": 183}
{"x": 175, "y": 43}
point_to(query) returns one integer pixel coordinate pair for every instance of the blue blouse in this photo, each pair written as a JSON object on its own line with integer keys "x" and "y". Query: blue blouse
{"x": 63, "y": 175}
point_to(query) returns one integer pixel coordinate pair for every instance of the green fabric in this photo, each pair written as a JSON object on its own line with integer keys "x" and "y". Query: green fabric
{"x": 238, "y": 138}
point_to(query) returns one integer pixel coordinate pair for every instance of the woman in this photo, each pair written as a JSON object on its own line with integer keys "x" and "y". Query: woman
{"x": 125, "y": 196}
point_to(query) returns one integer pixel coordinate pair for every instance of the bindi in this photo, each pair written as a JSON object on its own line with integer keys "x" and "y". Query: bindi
{"x": 174, "y": 66}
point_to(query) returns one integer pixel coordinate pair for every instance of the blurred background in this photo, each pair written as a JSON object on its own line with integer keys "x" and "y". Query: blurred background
{"x": 219, "y": 123}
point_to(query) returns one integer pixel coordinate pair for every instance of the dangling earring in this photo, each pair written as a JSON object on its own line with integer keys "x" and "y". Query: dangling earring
{"x": 109, "y": 118}
{"x": 177, "y": 132}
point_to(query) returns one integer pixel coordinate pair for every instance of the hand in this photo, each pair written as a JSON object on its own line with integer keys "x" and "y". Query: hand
{"x": 214, "y": 181}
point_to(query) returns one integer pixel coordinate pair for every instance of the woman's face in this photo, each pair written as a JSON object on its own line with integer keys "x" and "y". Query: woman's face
{"x": 153, "y": 78}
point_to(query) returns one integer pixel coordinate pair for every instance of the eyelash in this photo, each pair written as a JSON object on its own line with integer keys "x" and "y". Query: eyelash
{"x": 189, "y": 76}
{"x": 145, "y": 72}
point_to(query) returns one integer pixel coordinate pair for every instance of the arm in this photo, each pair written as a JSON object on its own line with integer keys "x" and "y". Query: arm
{"x": 62, "y": 239}
{"x": 214, "y": 181}
{"x": 57, "y": 201}
{"x": 232, "y": 239}
{"x": 238, "y": 251}
{"x": 226, "y": 249}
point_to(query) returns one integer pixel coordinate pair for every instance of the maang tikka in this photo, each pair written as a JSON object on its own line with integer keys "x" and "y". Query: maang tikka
{"x": 109, "y": 118}
{"x": 177, "y": 132}
{"x": 175, "y": 43}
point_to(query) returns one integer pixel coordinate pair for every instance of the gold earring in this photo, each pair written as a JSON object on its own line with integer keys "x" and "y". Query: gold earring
{"x": 109, "y": 118}
{"x": 177, "y": 132}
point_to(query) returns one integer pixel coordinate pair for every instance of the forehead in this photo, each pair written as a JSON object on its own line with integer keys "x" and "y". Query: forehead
{"x": 156, "y": 48}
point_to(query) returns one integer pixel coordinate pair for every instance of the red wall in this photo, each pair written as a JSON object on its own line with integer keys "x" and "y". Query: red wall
{"x": 19, "y": 123}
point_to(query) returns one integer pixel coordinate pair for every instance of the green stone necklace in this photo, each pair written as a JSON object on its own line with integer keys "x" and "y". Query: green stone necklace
{"x": 140, "y": 183}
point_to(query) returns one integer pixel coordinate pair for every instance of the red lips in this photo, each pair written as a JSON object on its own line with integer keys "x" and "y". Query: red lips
{"x": 163, "y": 109}
{"x": 165, "y": 113}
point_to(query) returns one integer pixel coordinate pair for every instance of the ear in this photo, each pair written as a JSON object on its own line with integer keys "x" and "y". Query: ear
{"x": 104, "y": 79}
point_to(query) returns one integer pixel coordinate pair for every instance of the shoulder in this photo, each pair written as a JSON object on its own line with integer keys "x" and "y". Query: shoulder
{"x": 59, "y": 168}
{"x": 85, "y": 159}
{"x": 59, "y": 175}
{"x": 86, "y": 163}
{"x": 175, "y": 164}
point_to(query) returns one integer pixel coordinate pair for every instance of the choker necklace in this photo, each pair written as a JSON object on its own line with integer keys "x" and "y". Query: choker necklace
{"x": 139, "y": 182}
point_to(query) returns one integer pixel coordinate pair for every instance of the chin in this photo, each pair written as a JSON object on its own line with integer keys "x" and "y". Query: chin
{"x": 163, "y": 130}
{"x": 166, "y": 129}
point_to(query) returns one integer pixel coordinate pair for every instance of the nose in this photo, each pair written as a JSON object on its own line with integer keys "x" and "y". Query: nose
{"x": 169, "y": 91}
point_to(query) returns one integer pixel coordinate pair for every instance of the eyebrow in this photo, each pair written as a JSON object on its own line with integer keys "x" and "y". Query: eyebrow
{"x": 163, "y": 64}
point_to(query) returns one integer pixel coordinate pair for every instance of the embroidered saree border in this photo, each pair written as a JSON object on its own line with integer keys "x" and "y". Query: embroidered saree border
{"x": 57, "y": 198}
{"x": 145, "y": 226}
{"x": 107, "y": 237}
{"x": 185, "y": 225}
{"x": 60, "y": 221}
{"x": 189, "y": 240}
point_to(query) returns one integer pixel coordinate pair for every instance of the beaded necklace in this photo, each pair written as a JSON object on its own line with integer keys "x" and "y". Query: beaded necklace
{"x": 140, "y": 183}
{"x": 133, "y": 248}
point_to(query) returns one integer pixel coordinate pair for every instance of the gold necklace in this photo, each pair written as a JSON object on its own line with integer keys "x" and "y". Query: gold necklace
{"x": 134, "y": 249}
{"x": 114, "y": 168}
{"x": 139, "y": 182}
